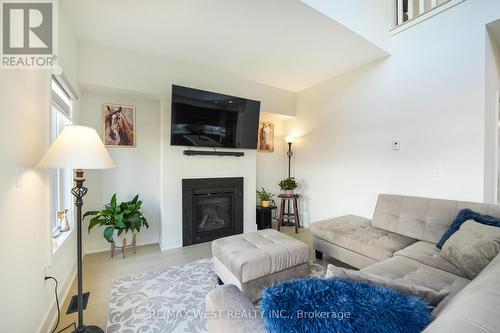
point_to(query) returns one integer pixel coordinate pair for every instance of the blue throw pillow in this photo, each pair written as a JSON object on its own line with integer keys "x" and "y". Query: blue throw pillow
{"x": 343, "y": 306}
{"x": 463, "y": 216}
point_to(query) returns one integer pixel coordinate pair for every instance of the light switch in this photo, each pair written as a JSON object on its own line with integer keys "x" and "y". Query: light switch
{"x": 395, "y": 145}
{"x": 19, "y": 177}
{"x": 437, "y": 170}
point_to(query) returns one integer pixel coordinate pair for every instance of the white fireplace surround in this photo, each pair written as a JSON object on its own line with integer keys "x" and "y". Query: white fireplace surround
{"x": 201, "y": 167}
{"x": 176, "y": 166}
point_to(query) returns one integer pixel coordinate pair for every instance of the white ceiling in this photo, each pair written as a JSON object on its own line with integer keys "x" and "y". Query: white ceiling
{"x": 282, "y": 43}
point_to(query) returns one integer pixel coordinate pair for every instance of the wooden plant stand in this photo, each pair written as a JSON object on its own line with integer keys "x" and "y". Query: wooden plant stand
{"x": 289, "y": 216}
{"x": 124, "y": 246}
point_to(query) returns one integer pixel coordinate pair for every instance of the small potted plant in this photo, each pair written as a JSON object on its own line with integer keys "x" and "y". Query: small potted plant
{"x": 265, "y": 198}
{"x": 121, "y": 221}
{"x": 288, "y": 185}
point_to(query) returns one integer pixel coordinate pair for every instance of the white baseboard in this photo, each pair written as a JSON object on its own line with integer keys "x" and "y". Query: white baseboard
{"x": 170, "y": 247}
{"x": 108, "y": 248}
{"x": 49, "y": 320}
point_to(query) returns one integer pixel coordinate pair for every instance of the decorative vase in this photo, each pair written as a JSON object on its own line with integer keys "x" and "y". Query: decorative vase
{"x": 289, "y": 193}
{"x": 124, "y": 241}
{"x": 128, "y": 237}
{"x": 265, "y": 203}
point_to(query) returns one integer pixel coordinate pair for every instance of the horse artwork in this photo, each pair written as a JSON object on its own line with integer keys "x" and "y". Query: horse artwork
{"x": 119, "y": 125}
{"x": 266, "y": 137}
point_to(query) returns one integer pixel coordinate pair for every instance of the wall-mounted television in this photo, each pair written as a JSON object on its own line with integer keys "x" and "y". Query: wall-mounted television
{"x": 208, "y": 119}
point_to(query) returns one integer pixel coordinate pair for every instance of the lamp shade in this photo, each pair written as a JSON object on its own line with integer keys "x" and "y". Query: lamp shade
{"x": 290, "y": 139}
{"x": 77, "y": 147}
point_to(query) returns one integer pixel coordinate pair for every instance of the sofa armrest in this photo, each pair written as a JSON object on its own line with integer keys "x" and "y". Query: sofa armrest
{"x": 229, "y": 311}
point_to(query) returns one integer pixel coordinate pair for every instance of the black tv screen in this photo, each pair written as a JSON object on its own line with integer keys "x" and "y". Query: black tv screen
{"x": 207, "y": 119}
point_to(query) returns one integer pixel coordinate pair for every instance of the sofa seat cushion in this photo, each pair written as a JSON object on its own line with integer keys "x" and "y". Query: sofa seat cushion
{"x": 356, "y": 234}
{"x": 475, "y": 308}
{"x": 428, "y": 254}
{"x": 431, "y": 296}
{"x": 257, "y": 254}
{"x": 411, "y": 272}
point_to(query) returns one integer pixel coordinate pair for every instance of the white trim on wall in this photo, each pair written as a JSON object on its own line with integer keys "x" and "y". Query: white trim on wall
{"x": 108, "y": 248}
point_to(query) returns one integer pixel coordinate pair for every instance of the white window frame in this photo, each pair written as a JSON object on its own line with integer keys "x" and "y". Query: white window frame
{"x": 61, "y": 105}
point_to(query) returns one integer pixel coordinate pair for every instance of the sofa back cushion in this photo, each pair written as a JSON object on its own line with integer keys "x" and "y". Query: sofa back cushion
{"x": 422, "y": 218}
{"x": 475, "y": 308}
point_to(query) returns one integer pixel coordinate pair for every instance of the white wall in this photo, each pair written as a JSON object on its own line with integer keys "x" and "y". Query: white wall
{"x": 25, "y": 240}
{"x": 429, "y": 94}
{"x": 492, "y": 86}
{"x": 370, "y": 19}
{"x": 68, "y": 51}
{"x": 137, "y": 169}
{"x": 27, "y": 304}
{"x": 107, "y": 68}
{"x": 152, "y": 74}
{"x": 491, "y": 118}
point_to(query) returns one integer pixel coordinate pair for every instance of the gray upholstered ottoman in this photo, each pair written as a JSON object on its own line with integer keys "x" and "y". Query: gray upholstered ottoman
{"x": 259, "y": 259}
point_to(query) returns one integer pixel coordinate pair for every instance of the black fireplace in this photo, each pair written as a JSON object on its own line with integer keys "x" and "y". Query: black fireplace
{"x": 211, "y": 208}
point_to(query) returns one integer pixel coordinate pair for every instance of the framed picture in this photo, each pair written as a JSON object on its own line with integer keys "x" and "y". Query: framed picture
{"x": 266, "y": 137}
{"x": 118, "y": 125}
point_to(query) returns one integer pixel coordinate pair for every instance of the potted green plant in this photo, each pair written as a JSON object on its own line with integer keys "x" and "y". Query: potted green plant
{"x": 121, "y": 221}
{"x": 264, "y": 197}
{"x": 288, "y": 185}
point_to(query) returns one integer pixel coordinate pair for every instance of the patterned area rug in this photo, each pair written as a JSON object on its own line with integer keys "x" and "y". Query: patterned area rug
{"x": 167, "y": 300}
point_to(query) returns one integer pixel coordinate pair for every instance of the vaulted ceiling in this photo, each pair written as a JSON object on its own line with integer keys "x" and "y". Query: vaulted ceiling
{"x": 281, "y": 43}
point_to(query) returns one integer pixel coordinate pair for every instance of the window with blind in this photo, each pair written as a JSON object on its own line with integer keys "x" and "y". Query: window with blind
{"x": 61, "y": 179}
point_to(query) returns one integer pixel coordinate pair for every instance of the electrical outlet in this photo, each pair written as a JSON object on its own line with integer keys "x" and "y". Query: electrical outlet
{"x": 45, "y": 273}
{"x": 437, "y": 170}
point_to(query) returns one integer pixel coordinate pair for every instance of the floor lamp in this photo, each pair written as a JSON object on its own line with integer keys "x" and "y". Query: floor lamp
{"x": 289, "y": 140}
{"x": 78, "y": 148}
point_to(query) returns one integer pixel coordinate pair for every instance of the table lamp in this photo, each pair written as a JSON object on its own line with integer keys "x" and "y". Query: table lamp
{"x": 78, "y": 148}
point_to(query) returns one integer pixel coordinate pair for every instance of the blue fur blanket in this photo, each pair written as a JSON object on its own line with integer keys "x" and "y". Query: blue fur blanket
{"x": 341, "y": 306}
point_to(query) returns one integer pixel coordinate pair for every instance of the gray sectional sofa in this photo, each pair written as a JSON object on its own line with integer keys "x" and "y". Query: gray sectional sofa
{"x": 398, "y": 243}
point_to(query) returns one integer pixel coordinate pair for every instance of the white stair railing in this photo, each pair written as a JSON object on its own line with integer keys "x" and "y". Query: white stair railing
{"x": 400, "y": 12}
{"x": 421, "y": 6}
{"x": 407, "y": 10}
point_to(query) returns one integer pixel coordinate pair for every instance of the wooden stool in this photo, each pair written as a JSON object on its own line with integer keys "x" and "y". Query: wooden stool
{"x": 294, "y": 216}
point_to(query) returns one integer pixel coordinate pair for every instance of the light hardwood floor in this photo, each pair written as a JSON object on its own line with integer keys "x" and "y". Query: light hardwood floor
{"x": 100, "y": 270}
